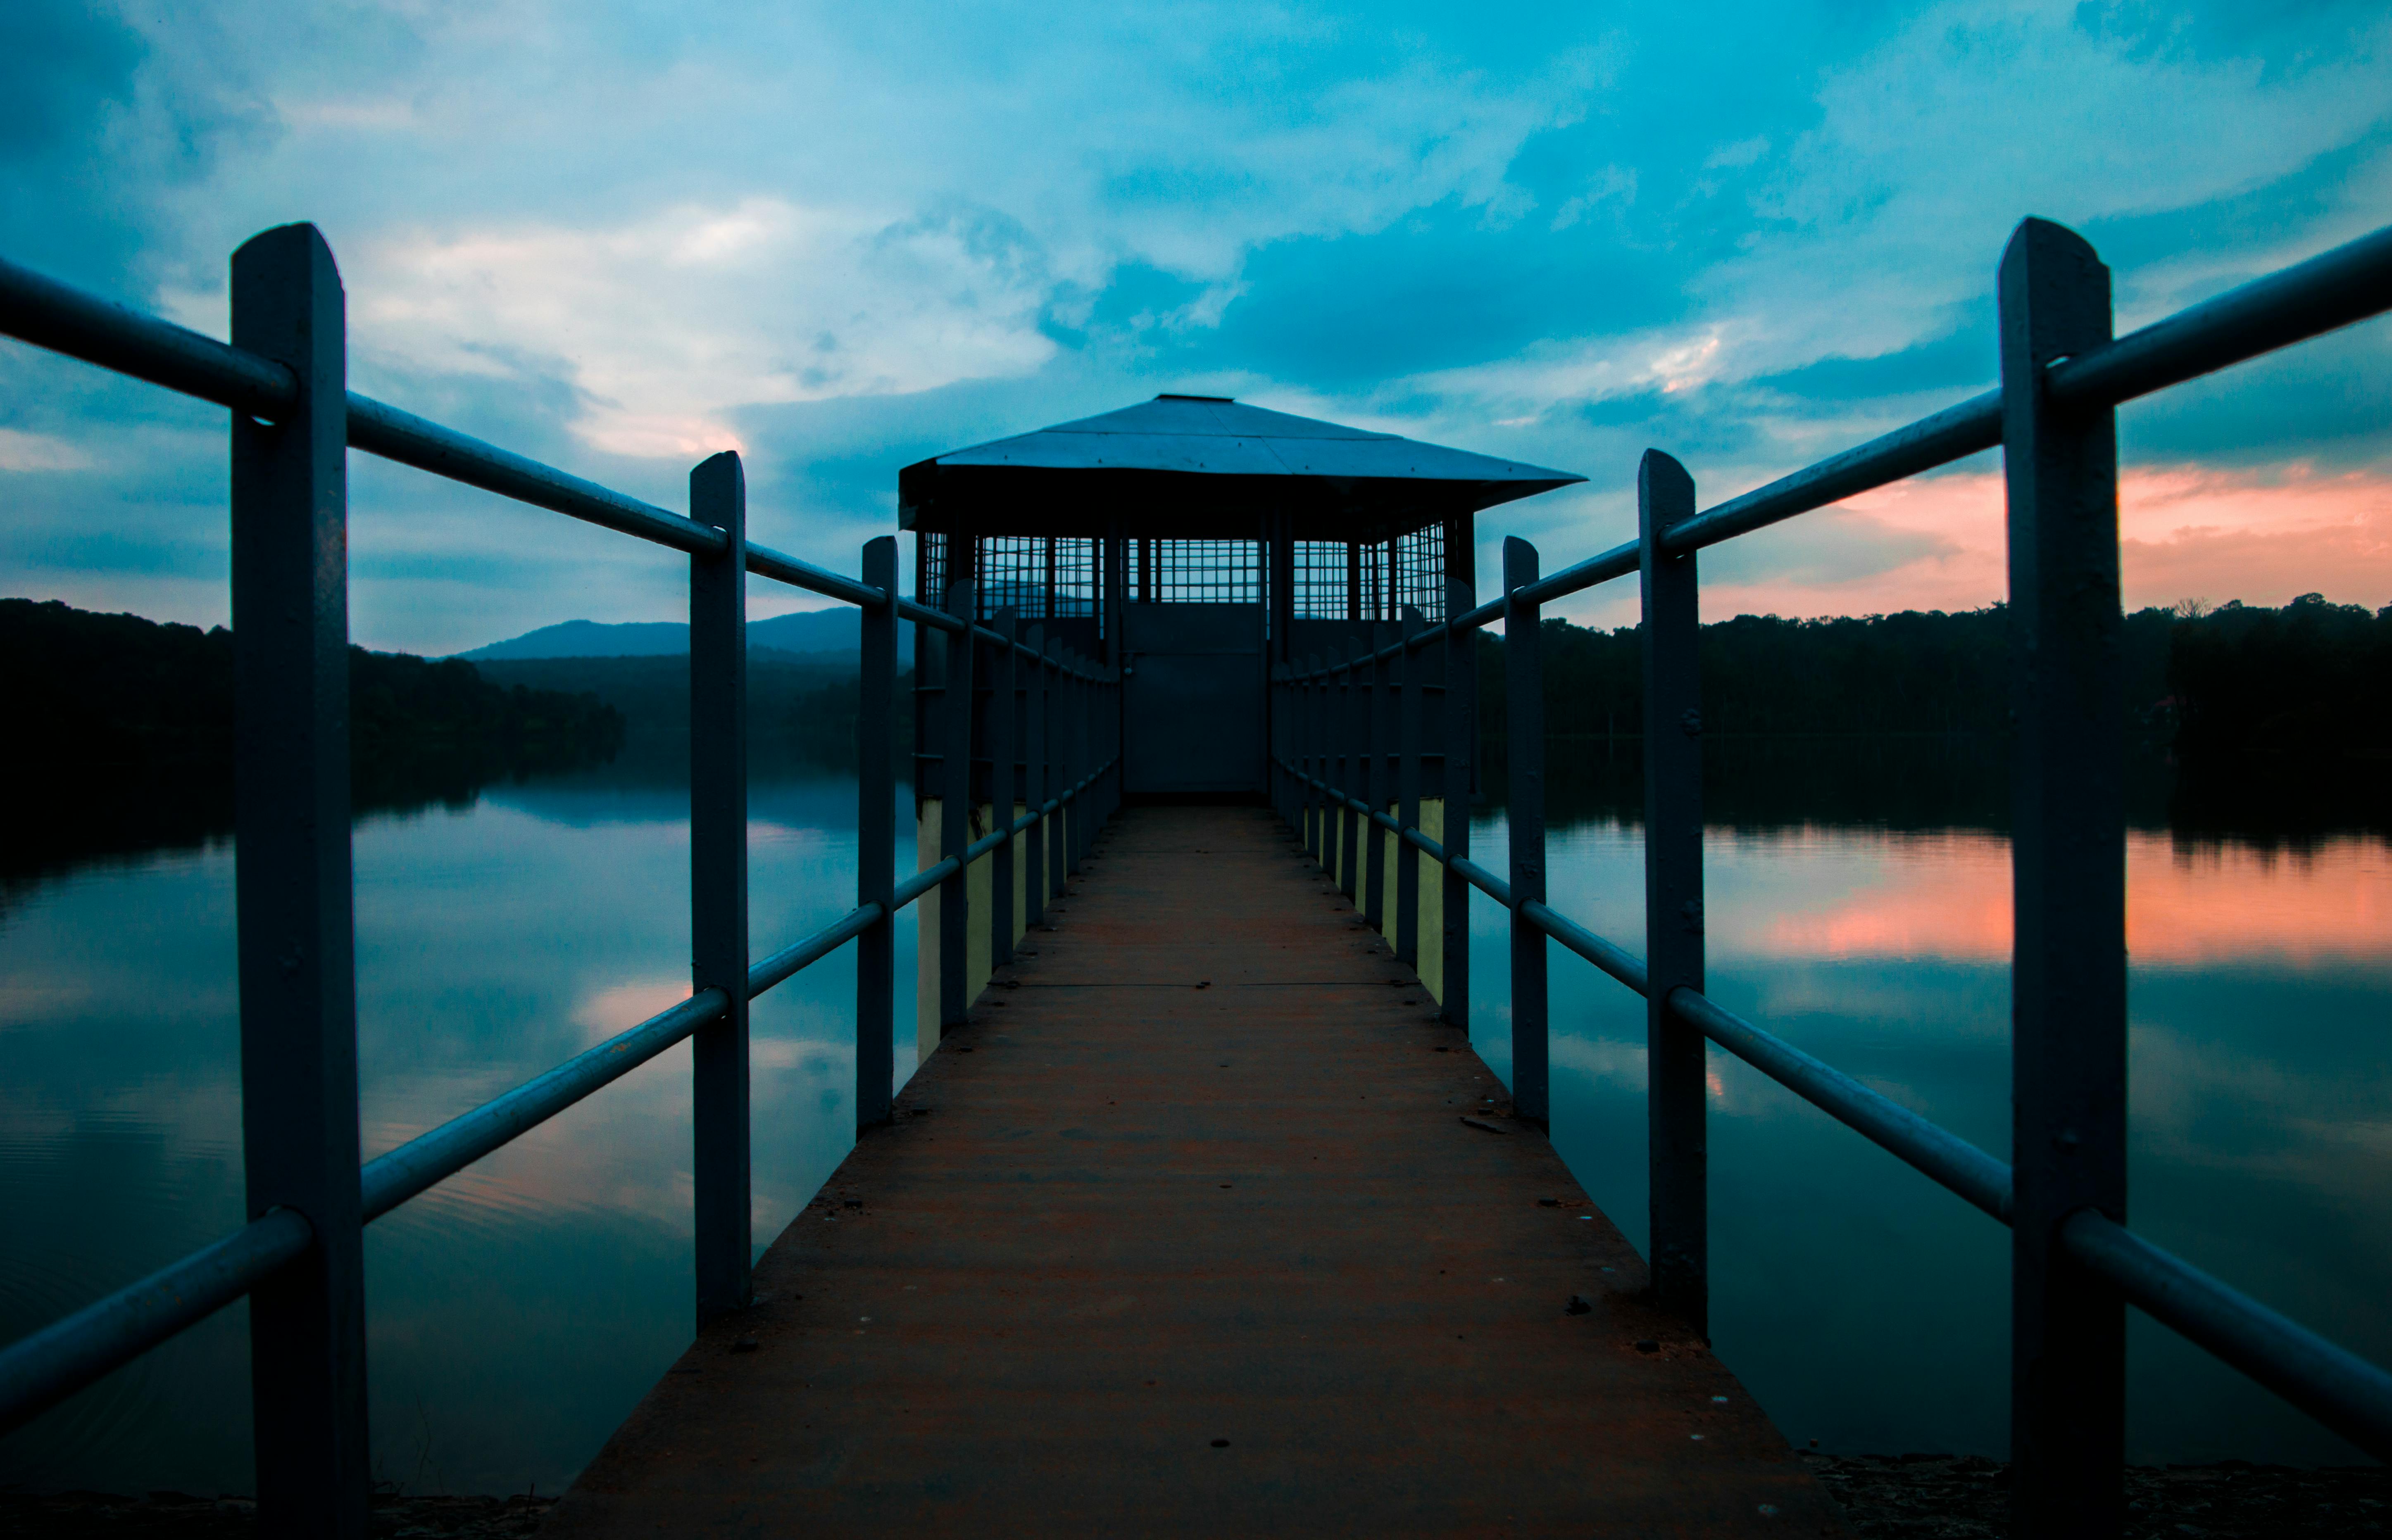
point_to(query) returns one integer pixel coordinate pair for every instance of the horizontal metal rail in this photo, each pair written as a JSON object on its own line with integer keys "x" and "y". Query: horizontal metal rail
{"x": 929, "y": 876}
{"x": 914, "y": 609}
{"x": 2330, "y": 290}
{"x": 1945, "y": 1156}
{"x": 1953, "y": 433}
{"x": 1482, "y": 879}
{"x": 392, "y": 1178}
{"x": 1620, "y": 964}
{"x": 2350, "y": 284}
{"x": 410, "y": 440}
{"x": 39, "y": 1371}
{"x": 1030, "y": 819}
{"x": 2341, "y": 1390}
{"x": 65, "y": 320}
{"x": 793, "y": 958}
{"x": 430, "y": 1159}
{"x": 2331, "y": 1384}
{"x": 764, "y": 561}
{"x": 1939, "y": 1153}
{"x": 2347, "y": 284}
{"x": 923, "y": 881}
{"x": 2334, "y": 289}
{"x": 53, "y": 1363}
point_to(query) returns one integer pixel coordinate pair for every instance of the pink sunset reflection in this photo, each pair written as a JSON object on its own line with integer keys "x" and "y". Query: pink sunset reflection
{"x": 2186, "y": 905}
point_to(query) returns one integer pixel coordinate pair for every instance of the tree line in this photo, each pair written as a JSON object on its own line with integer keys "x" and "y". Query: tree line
{"x": 125, "y": 731}
{"x": 2243, "y": 720}
{"x": 2233, "y": 682}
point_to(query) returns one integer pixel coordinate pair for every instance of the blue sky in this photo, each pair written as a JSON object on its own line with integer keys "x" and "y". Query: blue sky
{"x": 618, "y": 237}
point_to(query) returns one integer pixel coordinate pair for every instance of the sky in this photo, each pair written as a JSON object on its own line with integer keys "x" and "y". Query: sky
{"x": 838, "y": 239}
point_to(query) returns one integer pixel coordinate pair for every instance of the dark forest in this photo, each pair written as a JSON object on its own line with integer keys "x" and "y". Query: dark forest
{"x": 125, "y": 730}
{"x": 2246, "y": 720}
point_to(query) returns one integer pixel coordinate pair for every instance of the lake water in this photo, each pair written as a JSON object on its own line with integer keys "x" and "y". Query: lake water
{"x": 517, "y": 1312}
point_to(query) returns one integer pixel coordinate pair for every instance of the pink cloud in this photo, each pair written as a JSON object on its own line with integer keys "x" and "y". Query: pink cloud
{"x": 2262, "y": 537}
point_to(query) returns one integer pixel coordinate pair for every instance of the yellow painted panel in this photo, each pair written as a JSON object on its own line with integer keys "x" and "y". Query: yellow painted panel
{"x": 981, "y": 897}
{"x": 982, "y": 900}
{"x": 1432, "y": 902}
{"x": 926, "y": 947}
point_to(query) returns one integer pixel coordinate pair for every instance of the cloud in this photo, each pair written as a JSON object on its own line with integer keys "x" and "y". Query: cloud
{"x": 24, "y": 451}
{"x": 2186, "y": 532}
{"x": 664, "y": 327}
{"x": 617, "y": 237}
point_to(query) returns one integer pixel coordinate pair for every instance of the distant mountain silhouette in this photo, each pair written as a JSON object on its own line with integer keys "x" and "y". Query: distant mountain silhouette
{"x": 831, "y": 630}
{"x": 136, "y": 726}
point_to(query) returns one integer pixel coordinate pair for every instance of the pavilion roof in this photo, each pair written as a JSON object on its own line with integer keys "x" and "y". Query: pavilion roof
{"x": 1199, "y": 466}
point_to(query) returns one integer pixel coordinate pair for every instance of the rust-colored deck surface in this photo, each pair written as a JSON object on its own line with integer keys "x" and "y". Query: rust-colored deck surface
{"x": 1185, "y": 1235}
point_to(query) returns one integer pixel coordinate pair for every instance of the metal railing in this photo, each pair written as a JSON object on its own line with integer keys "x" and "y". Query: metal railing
{"x": 299, "y": 1259}
{"x": 1351, "y": 735}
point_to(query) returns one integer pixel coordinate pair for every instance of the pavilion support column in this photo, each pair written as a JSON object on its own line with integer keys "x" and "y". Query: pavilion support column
{"x": 1413, "y": 674}
{"x": 1378, "y": 786}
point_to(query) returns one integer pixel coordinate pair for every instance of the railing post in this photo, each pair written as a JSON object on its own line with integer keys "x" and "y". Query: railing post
{"x": 1075, "y": 828}
{"x": 291, "y": 881}
{"x": 1413, "y": 675}
{"x": 954, "y": 813}
{"x": 1460, "y": 730}
{"x": 1067, "y": 689}
{"x": 1274, "y": 714}
{"x": 1316, "y": 762}
{"x": 1353, "y": 735}
{"x": 2068, "y": 987}
{"x": 1378, "y": 786}
{"x": 1292, "y": 704}
{"x": 1101, "y": 722}
{"x": 1110, "y": 745}
{"x": 876, "y": 837}
{"x": 1034, "y": 777}
{"x": 1673, "y": 897}
{"x": 1523, "y": 698}
{"x": 1282, "y": 742}
{"x": 1004, "y": 708}
{"x": 717, "y": 882}
{"x": 1058, "y": 758}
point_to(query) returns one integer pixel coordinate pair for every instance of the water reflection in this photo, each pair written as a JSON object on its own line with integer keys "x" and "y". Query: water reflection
{"x": 519, "y": 1310}
{"x": 1866, "y": 1307}
{"x": 516, "y": 1312}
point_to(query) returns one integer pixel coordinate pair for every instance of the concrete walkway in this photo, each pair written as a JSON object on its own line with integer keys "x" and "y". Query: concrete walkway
{"x": 1186, "y": 1235}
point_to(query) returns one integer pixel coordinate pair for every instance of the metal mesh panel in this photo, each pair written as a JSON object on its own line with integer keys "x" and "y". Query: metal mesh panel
{"x": 1419, "y": 573}
{"x": 931, "y": 570}
{"x": 1373, "y": 579}
{"x": 1199, "y": 572}
{"x": 1371, "y": 569}
{"x": 1319, "y": 591}
{"x": 1042, "y": 577}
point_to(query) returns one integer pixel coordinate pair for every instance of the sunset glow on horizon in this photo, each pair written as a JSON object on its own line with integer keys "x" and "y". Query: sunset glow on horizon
{"x": 619, "y": 241}
{"x": 1948, "y": 895}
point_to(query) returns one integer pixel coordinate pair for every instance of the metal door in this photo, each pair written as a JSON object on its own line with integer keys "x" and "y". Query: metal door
{"x": 1192, "y": 698}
